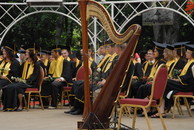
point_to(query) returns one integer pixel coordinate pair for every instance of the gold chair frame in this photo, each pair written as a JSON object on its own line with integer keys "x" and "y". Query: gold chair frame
{"x": 147, "y": 106}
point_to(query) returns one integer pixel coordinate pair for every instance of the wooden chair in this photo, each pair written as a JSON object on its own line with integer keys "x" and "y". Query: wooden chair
{"x": 36, "y": 91}
{"x": 67, "y": 89}
{"x": 155, "y": 100}
{"x": 177, "y": 97}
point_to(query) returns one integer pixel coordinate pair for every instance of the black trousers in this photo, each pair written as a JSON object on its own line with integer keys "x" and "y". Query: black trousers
{"x": 56, "y": 88}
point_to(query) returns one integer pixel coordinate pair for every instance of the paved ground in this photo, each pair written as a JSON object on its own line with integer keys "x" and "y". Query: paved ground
{"x": 36, "y": 119}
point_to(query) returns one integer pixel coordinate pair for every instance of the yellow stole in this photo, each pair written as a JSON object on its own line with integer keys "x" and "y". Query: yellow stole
{"x": 109, "y": 62}
{"x": 46, "y": 62}
{"x": 184, "y": 71}
{"x": 146, "y": 66}
{"x": 52, "y": 67}
{"x": 153, "y": 70}
{"x": 175, "y": 62}
{"x": 27, "y": 72}
{"x": 58, "y": 67}
{"x": 103, "y": 60}
{"x": 90, "y": 60}
{"x": 5, "y": 68}
{"x": 77, "y": 62}
{"x": 169, "y": 63}
{"x": 68, "y": 59}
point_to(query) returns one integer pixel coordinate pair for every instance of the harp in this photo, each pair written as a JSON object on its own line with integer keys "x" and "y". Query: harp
{"x": 102, "y": 107}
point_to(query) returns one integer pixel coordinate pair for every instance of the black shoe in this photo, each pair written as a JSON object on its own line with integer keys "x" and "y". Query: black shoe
{"x": 46, "y": 107}
{"x": 72, "y": 110}
{"x": 19, "y": 109}
{"x": 77, "y": 112}
{"x": 66, "y": 104}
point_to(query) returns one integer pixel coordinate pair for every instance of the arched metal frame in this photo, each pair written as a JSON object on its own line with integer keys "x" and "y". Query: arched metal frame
{"x": 95, "y": 29}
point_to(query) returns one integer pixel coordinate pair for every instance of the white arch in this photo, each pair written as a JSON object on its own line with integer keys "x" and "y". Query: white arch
{"x": 152, "y": 9}
{"x": 36, "y": 12}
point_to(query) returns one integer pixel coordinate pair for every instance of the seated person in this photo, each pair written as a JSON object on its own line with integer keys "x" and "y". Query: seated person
{"x": 30, "y": 75}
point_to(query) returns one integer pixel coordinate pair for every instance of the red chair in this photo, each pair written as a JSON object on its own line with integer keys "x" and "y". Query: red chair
{"x": 67, "y": 89}
{"x": 177, "y": 97}
{"x": 80, "y": 73}
{"x": 36, "y": 91}
{"x": 155, "y": 99}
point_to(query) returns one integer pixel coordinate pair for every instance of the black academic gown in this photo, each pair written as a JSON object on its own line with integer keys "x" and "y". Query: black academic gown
{"x": 144, "y": 90}
{"x": 77, "y": 93}
{"x": 186, "y": 85}
{"x": 128, "y": 77}
{"x": 104, "y": 61}
{"x": 15, "y": 71}
{"x": 56, "y": 87}
{"x": 138, "y": 71}
{"x": 148, "y": 69}
{"x": 180, "y": 64}
{"x": 12, "y": 90}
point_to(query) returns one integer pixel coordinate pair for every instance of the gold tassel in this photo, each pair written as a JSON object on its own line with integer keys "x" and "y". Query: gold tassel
{"x": 34, "y": 48}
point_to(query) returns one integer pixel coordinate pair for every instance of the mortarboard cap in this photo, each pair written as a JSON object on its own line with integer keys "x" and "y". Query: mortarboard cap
{"x": 31, "y": 47}
{"x": 22, "y": 51}
{"x": 41, "y": 53}
{"x": 190, "y": 47}
{"x": 180, "y": 45}
{"x": 44, "y": 52}
{"x": 55, "y": 48}
{"x": 64, "y": 47}
{"x": 108, "y": 42}
{"x": 169, "y": 46}
{"x": 11, "y": 47}
{"x": 159, "y": 45}
{"x": 49, "y": 52}
{"x": 72, "y": 56}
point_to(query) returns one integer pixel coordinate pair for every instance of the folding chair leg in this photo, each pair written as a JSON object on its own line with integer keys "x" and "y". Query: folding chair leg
{"x": 146, "y": 116}
{"x": 179, "y": 108}
{"x": 128, "y": 112}
{"x": 68, "y": 99}
{"x": 179, "y": 105}
{"x": 162, "y": 120}
{"x": 175, "y": 102}
{"x": 120, "y": 116}
{"x": 41, "y": 103}
{"x": 29, "y": 96}
{"x": 62, "y": 96}
{"x": 134, "y": 118}
{"x": 187, "y": 106}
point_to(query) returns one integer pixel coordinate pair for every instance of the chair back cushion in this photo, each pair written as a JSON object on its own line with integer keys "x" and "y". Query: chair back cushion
{"x": 41, "y": 77}
{"x": 159, "y": 82}
{"x": 80, "y": 73}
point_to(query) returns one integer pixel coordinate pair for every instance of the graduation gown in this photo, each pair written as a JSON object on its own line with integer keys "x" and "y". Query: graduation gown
{"x": 147, "y": 66}
{"x": 185, "y": 84}
{"x": 129, "y": 75}
{"x": 103, "y": 61}
{"x": 144, "y": 90}
{"x": 15, "y": 71}
{"x": 56, "y": 87}
{"x": 12, "y": 90}
{"x": 77, "y": 93}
